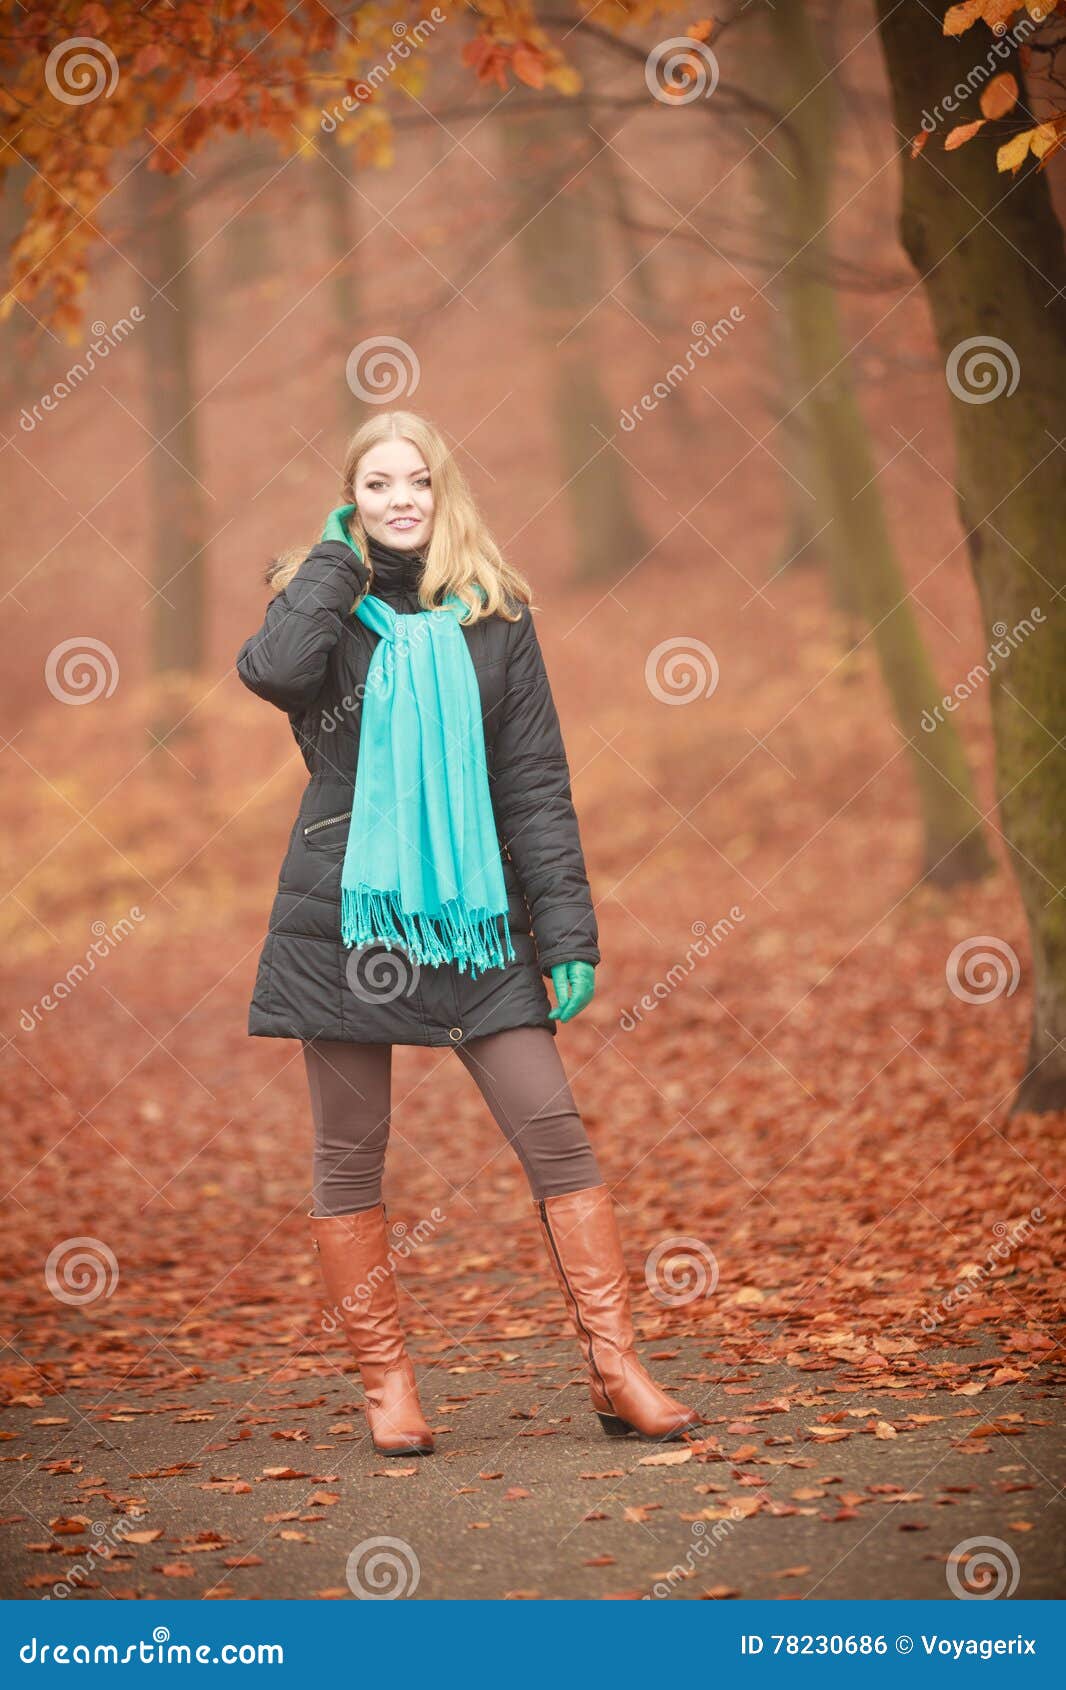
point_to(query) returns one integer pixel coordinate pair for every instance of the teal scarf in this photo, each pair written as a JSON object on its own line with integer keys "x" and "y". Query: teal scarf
{"x": 422, "y": 869}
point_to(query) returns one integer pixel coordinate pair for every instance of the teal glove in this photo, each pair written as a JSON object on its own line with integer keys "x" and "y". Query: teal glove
{"x": 574, "y": 984}
{"x": 337, "y": 529}
{"x": 337, "y": 525}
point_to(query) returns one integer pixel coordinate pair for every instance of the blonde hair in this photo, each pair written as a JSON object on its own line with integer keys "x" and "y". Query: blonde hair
{"x": 461, "y": 555}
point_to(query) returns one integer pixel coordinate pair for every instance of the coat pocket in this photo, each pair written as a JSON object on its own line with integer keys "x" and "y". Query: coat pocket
{"x": 328, "y": 833}
{"x": 517, "y": 909}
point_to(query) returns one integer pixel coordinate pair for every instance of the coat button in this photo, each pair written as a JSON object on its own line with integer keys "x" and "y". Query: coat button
{"x": 455, "y": 1032}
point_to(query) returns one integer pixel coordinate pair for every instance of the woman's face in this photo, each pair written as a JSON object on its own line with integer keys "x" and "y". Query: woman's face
{"x": 394, "y": 495}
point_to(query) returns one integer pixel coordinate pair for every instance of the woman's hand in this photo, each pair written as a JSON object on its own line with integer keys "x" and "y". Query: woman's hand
{"x": 574, "y": 984}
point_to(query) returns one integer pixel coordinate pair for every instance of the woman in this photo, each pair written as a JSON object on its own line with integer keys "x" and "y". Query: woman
{"x": 433, "y": 879}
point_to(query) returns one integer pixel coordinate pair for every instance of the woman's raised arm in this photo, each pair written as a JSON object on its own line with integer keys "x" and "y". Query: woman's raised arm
{"x": 285, "y": 661}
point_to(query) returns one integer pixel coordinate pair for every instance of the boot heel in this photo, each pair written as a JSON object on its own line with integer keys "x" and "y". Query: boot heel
{"x": 614, "y": 1426}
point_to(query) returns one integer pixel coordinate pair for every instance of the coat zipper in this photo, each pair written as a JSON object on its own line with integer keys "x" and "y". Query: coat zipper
{"x": 327, "y": 821}
{"x": 543, "y": 1207}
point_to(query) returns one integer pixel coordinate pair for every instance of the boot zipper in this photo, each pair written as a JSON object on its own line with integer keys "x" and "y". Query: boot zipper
{"x": 327, "y": 821}
{"x": 543, "y": 1207}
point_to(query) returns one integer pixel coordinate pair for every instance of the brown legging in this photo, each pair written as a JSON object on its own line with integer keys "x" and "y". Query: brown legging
{"x": 520, "y": 1075}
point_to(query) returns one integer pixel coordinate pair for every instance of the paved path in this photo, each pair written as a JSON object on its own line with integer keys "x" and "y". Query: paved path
{"x": 570, "y": 1514}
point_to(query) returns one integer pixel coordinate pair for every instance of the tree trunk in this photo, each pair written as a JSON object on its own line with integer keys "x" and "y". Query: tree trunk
{"x": 778, "y": 182}
{"x": 248, "y": 242}
{"x": 343, "y": 220}
{"x": 178, "y": 528}
{"x": 869, "y": 577}
{"x": 640, "y": 276}
{"x": 989, "y": 250}
{"x": 556, "y": 242}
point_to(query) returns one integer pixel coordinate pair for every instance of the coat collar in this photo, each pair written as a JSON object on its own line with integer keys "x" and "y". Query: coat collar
{"x": 397, "y": 573}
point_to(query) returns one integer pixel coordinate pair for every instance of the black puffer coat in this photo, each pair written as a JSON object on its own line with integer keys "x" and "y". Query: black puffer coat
{"x": 310, "y": 658}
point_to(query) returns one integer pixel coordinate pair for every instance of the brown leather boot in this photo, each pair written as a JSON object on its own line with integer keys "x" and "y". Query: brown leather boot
{"x": 581, "y": 1233}
{"x": 353, "y": 1254}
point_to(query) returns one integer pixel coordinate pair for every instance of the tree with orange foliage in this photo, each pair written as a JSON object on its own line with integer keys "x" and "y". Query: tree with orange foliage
{"x": 989, "y": 249}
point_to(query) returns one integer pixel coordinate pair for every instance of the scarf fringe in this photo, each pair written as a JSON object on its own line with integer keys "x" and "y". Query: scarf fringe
{"x": 470, "y": 938}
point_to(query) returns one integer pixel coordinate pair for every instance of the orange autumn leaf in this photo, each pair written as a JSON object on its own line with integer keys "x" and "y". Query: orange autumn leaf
{"x": 668, "y": 1457}
{"x": 528, "y": 65}
{"x": 995, "y": 13}
{"x": 962, "y": 133}
{"x": 1000, "y": 95}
